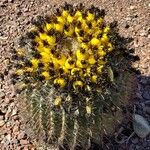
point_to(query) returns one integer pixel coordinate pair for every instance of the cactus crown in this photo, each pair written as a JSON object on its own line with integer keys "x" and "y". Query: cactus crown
{"x": 69, "y": 67}
{"x": 68, "y": 48}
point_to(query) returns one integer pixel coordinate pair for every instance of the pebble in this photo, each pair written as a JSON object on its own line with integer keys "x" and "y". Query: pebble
{"x": 2, "y": 122}
{"x": 8, "y": 137}
{"x": 131, "y": 147}
{"x": 21, "y": 135}
{"x": 2, "y": 94}
{"x": 14, "y": 111}
{"x": 146, "y": 94}
{"x": 132, "y": 7}
{"x": 143, "y": 33}
{"x": 15, "y": 129}
{"x": 135, "y": 140}
{"x": 141, "y": 126}
{"x": 24, "y": 142}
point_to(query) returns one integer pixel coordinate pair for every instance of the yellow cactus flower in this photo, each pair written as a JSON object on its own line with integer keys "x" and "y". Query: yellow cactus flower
{"x": 94, "y": 78}
{"x": 91, "y": 60}
{"x": 35, "y": 63}
{"x": 51, "y": 40}
{"x": 104, "y": 38}
{"x": 43, "y": 36}
{"x": 78, "y": 14}
{"x": 69, "y": 32}
{"x": 70, "y": 19}
{"x": 61, "y": 19}
{"x": 46, "y": 75}
{"x": 61, "y": 60}
{"x": 65, "y": 13}
{"x": 81, "y": 54}
{"x": 60, "y": 81}
{"x": 48, "y": 26}
{"x": 46, "y": 58}
{"x": 90, "y": 17}
{"x": 59, "y": 27}
{"x": 70, "y": 42}
{"x": 95, "y": 42}
{"x": 76, "y": 70}
{"x": 81, "y": 63}
{"x": 106, "y": 29}
{"x": 69, "y": 64}
{"x": 77, "y": 84}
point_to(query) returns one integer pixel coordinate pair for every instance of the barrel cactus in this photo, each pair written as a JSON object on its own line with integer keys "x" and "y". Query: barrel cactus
{"x": 72, "y": 77}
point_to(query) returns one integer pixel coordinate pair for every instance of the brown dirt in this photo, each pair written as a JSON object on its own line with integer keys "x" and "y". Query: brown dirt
{"x": 133, "y": 18}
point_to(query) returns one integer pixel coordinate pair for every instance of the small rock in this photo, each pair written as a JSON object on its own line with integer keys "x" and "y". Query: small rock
{"x": 21, "y": 135}
{"x": 15, "y": 129}
{"x": 141, "y": 41}
{"x": 126, "y": 25}
{"x": 141, "y": 126}
{"x": 132, "y": 7}
{"x": 131, "y": 147}
{"x": 24, "y": 142}
{"x": 14, "y": 141}
{"x": 2, "y": 94}
{"x": 143, "y": 33}
{"x": 8, "y": 137}
{"x": 146, "y": 95}
{"x": 135, "y": 141}
{"x": 14, "y": 111}
{"x": 10, "y": 1}
{"x": 137, "y": 147}
{"x": 144, "y": 81}
{"x": 2, "y": 122}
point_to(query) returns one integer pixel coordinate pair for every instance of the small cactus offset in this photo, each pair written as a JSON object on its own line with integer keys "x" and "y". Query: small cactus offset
{"x": 72, "y": 77}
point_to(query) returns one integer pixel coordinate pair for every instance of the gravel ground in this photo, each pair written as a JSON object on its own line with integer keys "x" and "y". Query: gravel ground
{"x": 133, "y": 18}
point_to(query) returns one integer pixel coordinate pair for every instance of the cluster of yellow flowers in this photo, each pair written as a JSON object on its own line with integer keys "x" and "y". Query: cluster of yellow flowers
{"x": 67, "y": 47}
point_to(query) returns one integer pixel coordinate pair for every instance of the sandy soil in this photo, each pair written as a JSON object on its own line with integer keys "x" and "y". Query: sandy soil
{"x": 133, "y": 18}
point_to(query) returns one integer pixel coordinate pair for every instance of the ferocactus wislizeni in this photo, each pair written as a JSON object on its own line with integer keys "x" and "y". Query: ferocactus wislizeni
{"x": 71, "y": 77}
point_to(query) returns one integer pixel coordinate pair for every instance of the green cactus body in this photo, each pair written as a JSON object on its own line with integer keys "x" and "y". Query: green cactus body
{"x": 65, "y": 76}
